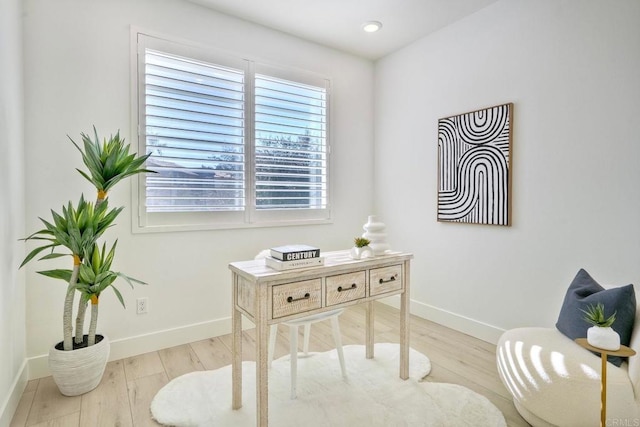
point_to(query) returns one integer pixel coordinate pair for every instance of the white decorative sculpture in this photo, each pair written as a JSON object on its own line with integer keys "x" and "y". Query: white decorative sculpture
{"x": 375, "y": 231}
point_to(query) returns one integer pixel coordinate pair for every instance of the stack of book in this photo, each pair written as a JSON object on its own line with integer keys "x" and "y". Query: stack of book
{"x": 294, "y": 256}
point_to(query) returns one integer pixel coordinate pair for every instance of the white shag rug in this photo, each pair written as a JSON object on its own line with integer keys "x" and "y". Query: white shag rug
{"x": 373, "y": 395}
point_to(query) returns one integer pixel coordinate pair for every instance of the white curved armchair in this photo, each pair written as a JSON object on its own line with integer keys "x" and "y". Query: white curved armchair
{"x": 555, "y": 382}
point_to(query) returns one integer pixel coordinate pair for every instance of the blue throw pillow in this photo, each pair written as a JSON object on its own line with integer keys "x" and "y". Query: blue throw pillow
{"x": 583, "y": 292}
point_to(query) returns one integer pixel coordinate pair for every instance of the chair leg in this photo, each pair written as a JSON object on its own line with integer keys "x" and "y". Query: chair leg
{"x": 336, "y": 337}
{"x": 293, "y": 338}
{"x": 273, "y": 333}
{"x": 307, "y": 333}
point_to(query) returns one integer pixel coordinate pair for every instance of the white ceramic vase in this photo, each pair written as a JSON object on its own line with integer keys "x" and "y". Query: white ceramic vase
{"x": 79, "y": 371}
{"x": 375, "y": 231}
{"x": 604, "y": 338}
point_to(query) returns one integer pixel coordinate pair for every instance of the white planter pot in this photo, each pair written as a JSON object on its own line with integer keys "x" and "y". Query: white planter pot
{"x": 79, "y": 371}
{"x": 363, "y": 252}
{"x": 604, "y": 338}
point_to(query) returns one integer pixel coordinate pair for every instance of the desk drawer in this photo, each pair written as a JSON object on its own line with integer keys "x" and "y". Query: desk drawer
{"x": 345, "y": 287}
{"x": 385, "y": 279}
{"x": 296, "y": 297}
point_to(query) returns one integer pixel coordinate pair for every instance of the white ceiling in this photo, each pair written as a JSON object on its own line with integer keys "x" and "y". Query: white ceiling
{"x": 338, "y": 23}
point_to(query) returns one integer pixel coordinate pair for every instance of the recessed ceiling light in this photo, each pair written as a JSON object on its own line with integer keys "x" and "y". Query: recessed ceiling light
{"x": 371, "y": 26}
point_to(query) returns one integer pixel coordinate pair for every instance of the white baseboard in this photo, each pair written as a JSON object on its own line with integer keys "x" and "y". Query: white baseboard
{"x": 475, "y": 328}
{"x": 133, "y": 346}
{"x": 10, "y": 404}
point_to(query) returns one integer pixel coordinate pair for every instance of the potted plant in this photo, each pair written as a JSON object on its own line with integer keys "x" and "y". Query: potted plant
{"x": 360, "y": 248}
{"x": 78, "y": 361}
{"x": 601, "y": 334}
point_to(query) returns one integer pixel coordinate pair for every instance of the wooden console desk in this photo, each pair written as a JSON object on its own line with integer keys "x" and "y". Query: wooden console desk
{"x": 268, "y": 296}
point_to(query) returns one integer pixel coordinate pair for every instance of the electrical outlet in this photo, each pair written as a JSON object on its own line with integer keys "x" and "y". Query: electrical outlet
{"x": 142, "y": 305}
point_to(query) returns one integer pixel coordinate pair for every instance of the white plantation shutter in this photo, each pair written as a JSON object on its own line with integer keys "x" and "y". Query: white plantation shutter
{"x": 290, "y": 145}
{"x": 234, "y": 143}
{"x": 194, "y": 127}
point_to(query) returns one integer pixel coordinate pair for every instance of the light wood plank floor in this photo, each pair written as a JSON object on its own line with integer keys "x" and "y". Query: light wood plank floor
{"x": 128, "y": 386}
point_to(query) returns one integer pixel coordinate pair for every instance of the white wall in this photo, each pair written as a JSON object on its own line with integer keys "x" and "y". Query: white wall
{"x": 571, "y": 69}
{"x": 13, "y": 372}
{"x": 77, "y": 74}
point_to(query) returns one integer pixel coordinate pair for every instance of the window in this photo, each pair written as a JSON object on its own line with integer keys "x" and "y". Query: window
{"x": 234, "y": 142}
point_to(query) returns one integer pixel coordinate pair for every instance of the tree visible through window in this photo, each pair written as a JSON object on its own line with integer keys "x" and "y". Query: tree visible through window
{"x": 290, "y": 157}
{"x": 213, "y": 155}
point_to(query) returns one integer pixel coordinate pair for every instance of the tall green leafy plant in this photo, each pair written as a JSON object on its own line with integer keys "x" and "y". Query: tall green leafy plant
{"x": 108, "y": 163}
{"x": 77, "y": 230}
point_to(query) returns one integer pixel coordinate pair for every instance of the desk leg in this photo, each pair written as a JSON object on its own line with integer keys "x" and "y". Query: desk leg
{"x": 369, "y": 330}
{"x": 603, "y": 391}
{"x": 262, "y": 368}
{"x": 236, "y": 349}
{"x": 404, "y": 325}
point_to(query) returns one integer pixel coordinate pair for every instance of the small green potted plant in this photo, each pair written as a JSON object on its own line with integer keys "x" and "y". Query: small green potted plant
{"x": 361, "y": 248}
{"x": 601, "y": 334}
{"x": 78, "y": 361}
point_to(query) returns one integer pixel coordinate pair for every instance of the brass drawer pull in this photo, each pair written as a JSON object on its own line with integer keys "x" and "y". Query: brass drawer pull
{"x": 391, "y": 279}
{"x": 306, "y": 296}
{"x": 341, "y": 289}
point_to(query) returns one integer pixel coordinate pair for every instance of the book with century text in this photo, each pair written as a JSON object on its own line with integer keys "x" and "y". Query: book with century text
{"x": 295, "y": 252}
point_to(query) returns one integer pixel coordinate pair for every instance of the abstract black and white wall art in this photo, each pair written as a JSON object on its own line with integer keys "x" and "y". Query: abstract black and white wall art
{"x": 474, "y": 166}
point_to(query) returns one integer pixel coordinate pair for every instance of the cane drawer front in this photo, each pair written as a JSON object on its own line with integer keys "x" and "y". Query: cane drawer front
{"x": 346, "y": 287}
{"x": 296, "y": 297}
{"x": 385, "y": 279}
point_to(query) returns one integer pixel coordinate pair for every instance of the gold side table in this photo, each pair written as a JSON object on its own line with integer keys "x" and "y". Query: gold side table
{"x": 624, "y": 351}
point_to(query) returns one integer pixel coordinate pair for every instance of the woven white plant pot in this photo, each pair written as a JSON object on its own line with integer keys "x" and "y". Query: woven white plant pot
{"x": 79, "y": 371}
{"x": 604, "y": 338}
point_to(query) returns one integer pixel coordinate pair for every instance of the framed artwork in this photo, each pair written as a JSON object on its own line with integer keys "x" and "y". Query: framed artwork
{"x": 474, "y": 166}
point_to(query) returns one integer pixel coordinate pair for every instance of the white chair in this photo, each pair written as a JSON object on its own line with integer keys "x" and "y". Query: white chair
{"x": 555, "y": 382}
{"x": 293, "y": 337}
{"x": 293, "y": 340}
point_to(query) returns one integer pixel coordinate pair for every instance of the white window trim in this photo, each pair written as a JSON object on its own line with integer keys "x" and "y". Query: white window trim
{"x": 143, "y": 222}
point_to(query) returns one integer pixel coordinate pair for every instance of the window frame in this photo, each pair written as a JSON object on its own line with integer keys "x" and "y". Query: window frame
{"x": 249, "y": 217}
